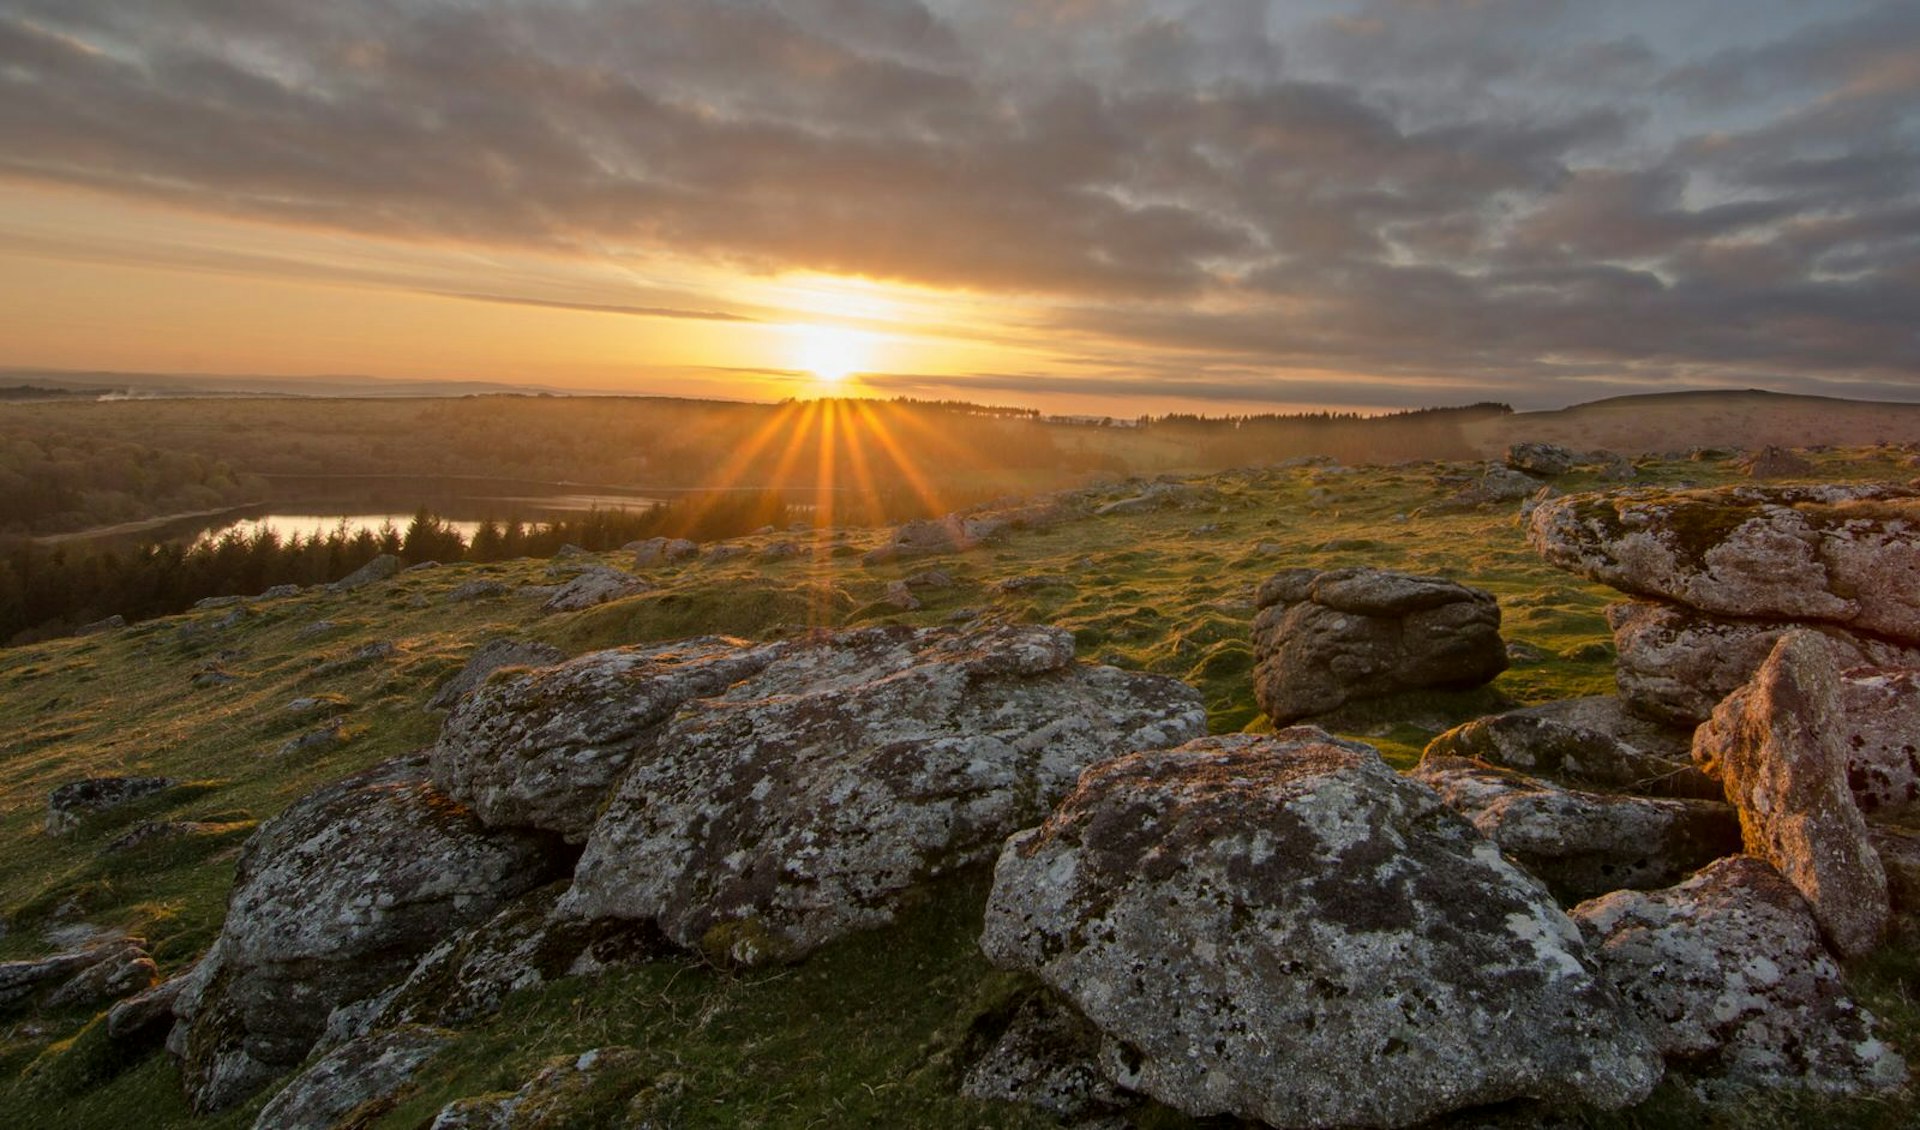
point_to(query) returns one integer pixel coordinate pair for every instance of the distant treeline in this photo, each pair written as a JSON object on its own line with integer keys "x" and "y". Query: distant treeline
{"x": 1387, "y": 419}
{"x": 50, "y": 592}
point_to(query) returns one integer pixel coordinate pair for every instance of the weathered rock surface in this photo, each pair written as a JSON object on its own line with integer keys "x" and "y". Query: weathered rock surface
{"x": 146, "y": 1015}
{"x": 1676, "y": 664}
{"x": 1543, "y": 459}
{"x": 477, "y": 589}
{"x": 663, "y": 551}
{"x": 544, "y": 748}
{"x": 1321, "y": 640}
{"x": 1899, "y": 852}
{"x": 1317, "y": 894}
{"x": 595, "y": 1088}
{"x": 124, "y": 969}
{"x": 1496, "y": 484}
{"x": 1583, "y": 844}
{"x": 468, "y": 974}
{"x": 924, "y": 537}
{"x": 92, "y": 975}
{"x": 1728, "y": 974}
{"x": 1773, "y": 745}
{"x": 1843, "y": 554}
{"x": 1878, "y": 724}
{"x": 488, "y": 658}
{"x": 1045, "y": 1057}
{"x": 381, "y": 568}
{"x": 68, "y": 804}
{"x": 332, "y": 901}
{"x": 802, "y": 803}
{"x": 593, "y": 586}
{"x": 1586, "y": 741}
{"x": 354, "y": 1083}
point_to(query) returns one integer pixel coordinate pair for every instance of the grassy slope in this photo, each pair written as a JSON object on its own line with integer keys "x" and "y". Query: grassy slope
{"x": 866, "y": 1032}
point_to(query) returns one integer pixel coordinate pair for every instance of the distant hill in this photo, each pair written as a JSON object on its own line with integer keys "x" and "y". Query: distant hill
{"x": 50, "y": 383}
{"x": 1677, "y": 421}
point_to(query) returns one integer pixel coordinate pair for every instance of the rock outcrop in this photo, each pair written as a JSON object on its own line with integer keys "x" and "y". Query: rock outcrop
{"x": 544, "y": 748}
{"x": 1773, "y": 745}
{"x": 1583, "y": 844}
{"x": 1728, "y": 974}
{"x": 1496, "y": 484}
{"x": 468, "y": 974}
{"x": 1323, "y": 639}
{"x": 88, "y": 977}
{"x": 803, "y": 802}
{"x": 488, "y": 658}
{"x": 924, "y": 537}
{"x": 654, "y": 552}
{"x": 592, "y": 586}
{"x": 1676, "y": 663}
{"x": 1584, "y": 741}
{"x": 354, "y": 1083}
{"x": 595, "y": 1088}
{"x": 1841, "y": 554}
{"x": 1878, "y": 724}
{"x": 1193, "y": 902}
{"x": 1542, "y": 459}
{"x": 332, "y": 901}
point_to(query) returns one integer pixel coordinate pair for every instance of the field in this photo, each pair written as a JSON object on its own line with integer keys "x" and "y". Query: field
{"x": 867, "y": 1032}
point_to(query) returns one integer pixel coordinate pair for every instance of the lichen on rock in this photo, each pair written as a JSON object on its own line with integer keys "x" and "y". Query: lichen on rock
{"x": 1283, "y": 928}
{"x": 805, "y": 801}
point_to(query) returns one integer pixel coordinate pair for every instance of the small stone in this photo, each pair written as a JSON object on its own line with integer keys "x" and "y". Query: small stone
{"x": 68, "y": 804}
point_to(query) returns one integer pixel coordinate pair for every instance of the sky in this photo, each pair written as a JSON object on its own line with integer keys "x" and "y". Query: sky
{"x": 1110, "y": 206}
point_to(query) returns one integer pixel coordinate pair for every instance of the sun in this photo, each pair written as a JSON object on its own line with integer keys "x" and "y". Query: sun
{"x": 830, "y": 353}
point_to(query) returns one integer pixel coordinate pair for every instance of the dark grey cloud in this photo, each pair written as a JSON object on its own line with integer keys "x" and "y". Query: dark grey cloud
{"x": 1503, "y": 194}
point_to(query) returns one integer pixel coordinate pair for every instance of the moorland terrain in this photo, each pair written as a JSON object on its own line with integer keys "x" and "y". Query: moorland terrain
{"x": 870, "y": 1030}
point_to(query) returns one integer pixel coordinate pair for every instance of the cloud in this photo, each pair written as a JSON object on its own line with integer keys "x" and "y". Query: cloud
{"x": 1506, "y": 194}
{"x": 597, "y": 307}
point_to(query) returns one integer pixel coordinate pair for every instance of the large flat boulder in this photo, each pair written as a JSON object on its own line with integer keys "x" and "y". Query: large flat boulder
{"x": 1774, "y": 745}
{"x": 1323, "y": 639}
{"x": 1845, "y": 554}
{"x": 1584, "y": 741}
{"x": 1676, "y": 663}
{"x": 1580, "y": 843}
{"x": 1728, "y": 973}
{"x": 544, "y": 748}
{"x": 1284, "y": 928}
{"x": 332, "y": 901}
{"x": 805, "y": 801}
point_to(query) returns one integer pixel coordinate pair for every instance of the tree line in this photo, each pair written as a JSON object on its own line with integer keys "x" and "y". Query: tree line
{"x": 45, "y": 593}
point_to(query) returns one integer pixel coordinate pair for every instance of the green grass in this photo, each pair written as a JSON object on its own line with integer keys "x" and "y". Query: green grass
{"x": 870, "y": 1031}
